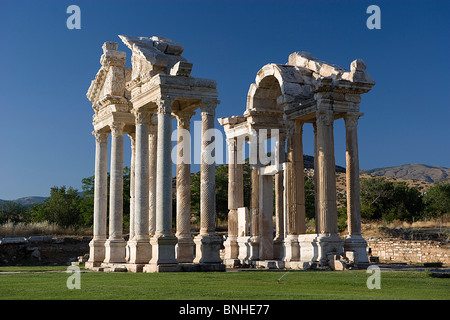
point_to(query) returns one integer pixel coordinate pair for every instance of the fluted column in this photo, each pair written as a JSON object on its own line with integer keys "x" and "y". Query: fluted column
{"x": 97, "y": 245}
{"x": 152, "y": 146}
{"x": 140, "y": 250}
{"x": 115, "y": 245}
{"x": 234, "y": 184}
{"x": 207, "y": 242}
{"x": 254, "y": 199}
{"x": 132, "y": 184}
{"x": 327, "y": 222}
{"x": 163, "y": 242}
{"x": 185, "y": 245}
{"x": 354, "y": 242}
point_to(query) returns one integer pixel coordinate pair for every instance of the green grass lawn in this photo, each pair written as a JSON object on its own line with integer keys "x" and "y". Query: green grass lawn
{"x": 253, "y": 285}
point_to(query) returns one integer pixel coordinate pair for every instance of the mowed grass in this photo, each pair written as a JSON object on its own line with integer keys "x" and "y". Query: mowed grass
{"x": 251, "y": 285}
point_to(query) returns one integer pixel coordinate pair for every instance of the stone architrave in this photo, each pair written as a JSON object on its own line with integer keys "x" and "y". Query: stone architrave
{"x": 115, "y": 245}
{"x": 97, "y": 244}
{"x": 185, "y": 245}
{"x": 207, "y": 242}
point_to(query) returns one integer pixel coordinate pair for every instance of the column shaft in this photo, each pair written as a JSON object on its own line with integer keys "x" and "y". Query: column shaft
{"x": 139, "y": 246}
{"x": 115, "y": 246}
{"x": 97, "y": 245}
{"x": 207, "y": 242}
{"x": 352, "y": 175}
{"x": 185, "y": 246}
{"x": 163, "y": 242}
{"x": 327, "y": 173}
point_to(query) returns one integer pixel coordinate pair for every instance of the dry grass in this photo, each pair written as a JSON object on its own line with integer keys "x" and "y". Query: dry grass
{"x": 45, "y": 228}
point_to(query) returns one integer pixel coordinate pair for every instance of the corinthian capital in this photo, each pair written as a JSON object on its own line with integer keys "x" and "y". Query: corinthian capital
{"x": 324, "y": 117}
{"x": 142, "y": 116}
{"x": 351, "y": 119}
{"x": 100, "y": 137}
{"x": 117, "y": 128}
{"x": 164, "y": 105}
{"x": 184, "y": 118}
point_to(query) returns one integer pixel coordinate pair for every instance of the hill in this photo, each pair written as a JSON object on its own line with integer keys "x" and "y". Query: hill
{"x": 414, "y": 171}
{"x": 27, "y": 201}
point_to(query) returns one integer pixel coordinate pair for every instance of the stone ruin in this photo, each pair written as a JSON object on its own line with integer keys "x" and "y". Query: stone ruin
{"x": 140, "y": 101}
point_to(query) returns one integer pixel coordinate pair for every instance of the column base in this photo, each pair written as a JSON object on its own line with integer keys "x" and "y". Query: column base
{"x": 96, "y": 253}
{"x": 291, "y": 248}
{"x": 231, "y": 248}
{"x": 278, "y": 250}
{"x": 357, "y": 245}
{"x": 163, "y": 254}
{"x": 140, "y": 251}
{"x": 315, "y": 247}
{"x": 185, "y": 249}
{"x": 208, "y": 248}
{"x": 244, "y": 249}
{"x": 254, "y": 248}
{"x": 115, "y": 251}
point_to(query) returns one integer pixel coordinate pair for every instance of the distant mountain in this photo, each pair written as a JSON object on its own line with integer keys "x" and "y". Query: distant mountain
{"x": 416, "y": 171}
{"x": 27, "y": 201}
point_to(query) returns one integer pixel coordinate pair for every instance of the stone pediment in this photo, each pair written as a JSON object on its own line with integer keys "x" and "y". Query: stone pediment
{"x": 153, "y": 55}
{"x": 108, "y": 86}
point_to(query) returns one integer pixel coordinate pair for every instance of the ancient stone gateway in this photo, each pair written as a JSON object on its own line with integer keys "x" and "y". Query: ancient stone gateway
{"x": 140, "y": 102}
{"x": 283, "y": 98}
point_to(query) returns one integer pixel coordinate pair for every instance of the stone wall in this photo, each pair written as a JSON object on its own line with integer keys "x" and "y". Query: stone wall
{"x": 395, "y": 250}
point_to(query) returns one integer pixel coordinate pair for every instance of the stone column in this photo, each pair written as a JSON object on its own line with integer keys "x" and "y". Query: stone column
{"x": 132, "y": 169}
{"x": 295, "y": 191}
{"x": 163, "y": 242}
{"x": 316, "y": 178}
{"x": 97, "y": 245}
{"x": 152, "y": 146}
{"x": 140, "y": 250}
{"x": 327, "y": 222}
{"x": 254, "y": 200}
{"x": 279, "y": 198}
{"x": 185, "y": 245}
{"x": 115, "y": 245}
{"x": 231, "y": 244}
{"x": 207, "y": 242}
{"x": 132, "y": 184}
{"x": 354, "y": 242}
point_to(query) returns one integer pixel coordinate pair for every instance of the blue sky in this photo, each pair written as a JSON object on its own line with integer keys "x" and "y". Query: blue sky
{"x": 46, "y": 69}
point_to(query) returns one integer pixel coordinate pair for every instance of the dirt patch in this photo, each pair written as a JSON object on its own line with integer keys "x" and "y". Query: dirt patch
{"x": 57, "y": 251}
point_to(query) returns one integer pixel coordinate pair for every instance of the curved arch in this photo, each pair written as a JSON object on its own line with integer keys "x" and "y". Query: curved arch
{"x": 276, "y": 85}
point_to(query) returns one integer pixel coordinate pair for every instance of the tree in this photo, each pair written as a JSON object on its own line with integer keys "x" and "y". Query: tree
{"x": 62, "y": 208}
{"x": 389, "y": 200}
{"x": 437, "y": 200}
{"x": 13, "y": 212}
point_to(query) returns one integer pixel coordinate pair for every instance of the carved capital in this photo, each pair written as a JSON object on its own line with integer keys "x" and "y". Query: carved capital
{"x": 117, "y": 128}
{"x": 184, "y": 118}
{"x": 164, "y": 105}
{"x": 324, "y": 117}
{"x": 142, "y": 116}
{"x": 100, "y": 137}
{"x": 351, "y": 120}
